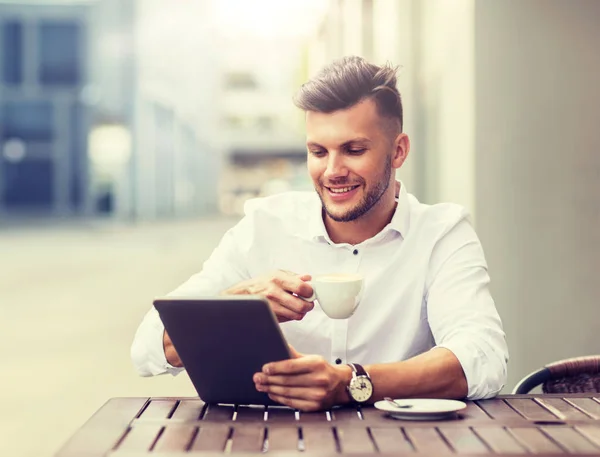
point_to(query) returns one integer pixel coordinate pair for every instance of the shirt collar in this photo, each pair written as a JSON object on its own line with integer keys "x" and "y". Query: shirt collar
{"x": 400, "y": 220}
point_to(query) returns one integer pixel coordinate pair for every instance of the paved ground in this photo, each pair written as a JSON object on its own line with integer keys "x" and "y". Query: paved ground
{"x": 71, "y": 297}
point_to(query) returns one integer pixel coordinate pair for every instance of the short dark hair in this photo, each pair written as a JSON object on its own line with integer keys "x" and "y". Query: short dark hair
{"x": 348, "y": 81}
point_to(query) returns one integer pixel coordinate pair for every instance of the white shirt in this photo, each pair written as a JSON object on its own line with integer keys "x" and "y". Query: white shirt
{"x": 426, "y": 285}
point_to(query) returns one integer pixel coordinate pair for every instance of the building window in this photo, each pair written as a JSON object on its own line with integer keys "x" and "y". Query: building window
{"x": 265, "y": 123}
{"x": 12, "y": 53}
{"x": 60, "y": 60}
{"x": 240, "y": 81}
{"x": 27, "y": 120}
{"x": 233, "y": 122}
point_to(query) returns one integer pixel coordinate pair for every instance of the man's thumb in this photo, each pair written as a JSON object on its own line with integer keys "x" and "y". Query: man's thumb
{"x": 295, "y": 354}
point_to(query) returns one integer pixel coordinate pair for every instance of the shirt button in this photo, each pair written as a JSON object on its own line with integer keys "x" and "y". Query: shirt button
{"x": 355, "y": 252}
{"x": 338, "y": 361}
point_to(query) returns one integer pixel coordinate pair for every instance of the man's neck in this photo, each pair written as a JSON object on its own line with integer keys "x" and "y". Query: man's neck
{"x": 366, "y": 226}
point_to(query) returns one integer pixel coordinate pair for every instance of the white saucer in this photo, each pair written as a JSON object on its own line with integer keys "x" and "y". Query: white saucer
{"x": 421, "y": 408}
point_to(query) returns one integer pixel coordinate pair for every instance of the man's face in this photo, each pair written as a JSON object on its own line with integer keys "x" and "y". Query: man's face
{"x": 349, "y": 159}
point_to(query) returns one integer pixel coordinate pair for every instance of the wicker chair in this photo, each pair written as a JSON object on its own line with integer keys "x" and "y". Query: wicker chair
{"x": 579, "y": 374}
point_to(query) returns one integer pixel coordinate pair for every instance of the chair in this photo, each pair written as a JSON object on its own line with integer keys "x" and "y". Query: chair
{"x": 578, "y": 374}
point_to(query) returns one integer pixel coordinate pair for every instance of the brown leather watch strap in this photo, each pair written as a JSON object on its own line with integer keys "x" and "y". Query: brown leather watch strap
{"x": 358, "y": 369}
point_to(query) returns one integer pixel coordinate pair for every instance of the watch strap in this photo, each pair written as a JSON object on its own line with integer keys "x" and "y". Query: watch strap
{"x": 358, "y": 370}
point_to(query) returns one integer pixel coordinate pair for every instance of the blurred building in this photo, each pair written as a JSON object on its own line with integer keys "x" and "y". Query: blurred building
{"x": 106, "y": 107}
{"x": 44, "y": 109}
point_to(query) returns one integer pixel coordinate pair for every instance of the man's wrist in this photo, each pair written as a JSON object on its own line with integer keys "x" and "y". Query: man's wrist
{"x": 344, "y": 377}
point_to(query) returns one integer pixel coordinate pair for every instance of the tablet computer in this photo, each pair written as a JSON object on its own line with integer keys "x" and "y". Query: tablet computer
{"x": 222, "y": 341}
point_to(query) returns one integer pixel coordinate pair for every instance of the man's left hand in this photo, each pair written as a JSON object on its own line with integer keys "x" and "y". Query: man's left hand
{"x": 304, "y": 382}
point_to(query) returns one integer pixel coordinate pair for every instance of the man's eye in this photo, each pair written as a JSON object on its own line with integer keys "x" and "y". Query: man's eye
{"x": 356, "y": 151}
{"x": 317, "y": 152}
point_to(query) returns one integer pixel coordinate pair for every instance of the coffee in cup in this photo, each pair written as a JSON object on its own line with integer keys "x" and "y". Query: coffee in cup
{"x": 338, "y": 294}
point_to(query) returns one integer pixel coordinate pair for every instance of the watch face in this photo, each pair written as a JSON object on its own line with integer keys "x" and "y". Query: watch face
{"x": 361, "y": 389}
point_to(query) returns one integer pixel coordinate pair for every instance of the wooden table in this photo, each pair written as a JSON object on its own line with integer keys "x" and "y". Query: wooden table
{"x": 534, "y": 424}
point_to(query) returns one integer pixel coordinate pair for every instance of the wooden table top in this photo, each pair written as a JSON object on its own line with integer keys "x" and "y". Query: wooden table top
{"x": 507, "y": 425}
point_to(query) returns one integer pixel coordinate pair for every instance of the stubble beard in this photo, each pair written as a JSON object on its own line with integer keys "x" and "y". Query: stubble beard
{"x": 367, "y": 203}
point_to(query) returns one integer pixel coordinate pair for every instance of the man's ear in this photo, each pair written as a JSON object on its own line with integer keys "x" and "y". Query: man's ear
{"x": 401, "y": 150}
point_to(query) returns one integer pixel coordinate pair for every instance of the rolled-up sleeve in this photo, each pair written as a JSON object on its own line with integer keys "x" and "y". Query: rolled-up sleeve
{"x": 462, "y": 314}
{"x": 224, "y": 268}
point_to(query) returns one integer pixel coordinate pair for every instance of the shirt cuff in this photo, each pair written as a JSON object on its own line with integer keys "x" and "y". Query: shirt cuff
{"x": 483, "y": 379}
{"x": 147, "y": 351}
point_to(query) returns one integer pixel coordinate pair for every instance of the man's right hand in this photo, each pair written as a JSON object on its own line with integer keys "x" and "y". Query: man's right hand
{"x": 278, "y": 288}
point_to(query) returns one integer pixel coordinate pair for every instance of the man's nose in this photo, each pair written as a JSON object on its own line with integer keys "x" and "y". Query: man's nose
{"x": 336, "y": 168}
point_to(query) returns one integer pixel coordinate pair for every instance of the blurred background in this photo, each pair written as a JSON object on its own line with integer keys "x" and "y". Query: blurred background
{"x": 132, "y": 132}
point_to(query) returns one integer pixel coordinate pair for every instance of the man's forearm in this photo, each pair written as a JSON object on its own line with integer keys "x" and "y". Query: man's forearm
{"x": 436, "y": 373}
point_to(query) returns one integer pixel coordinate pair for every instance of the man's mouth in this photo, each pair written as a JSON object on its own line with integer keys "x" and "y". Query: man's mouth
{"x": 341, "y": 190}
{"x": 338, "y": 193}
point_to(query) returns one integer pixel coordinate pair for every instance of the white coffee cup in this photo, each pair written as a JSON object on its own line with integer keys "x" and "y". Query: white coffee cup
{"x": 338, "y": 294}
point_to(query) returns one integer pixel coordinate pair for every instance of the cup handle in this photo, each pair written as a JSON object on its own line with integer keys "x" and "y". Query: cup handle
{"x": 313, "y": 297}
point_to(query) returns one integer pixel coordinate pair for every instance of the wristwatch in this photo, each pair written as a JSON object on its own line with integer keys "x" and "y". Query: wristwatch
{"x": 360, "y": 388}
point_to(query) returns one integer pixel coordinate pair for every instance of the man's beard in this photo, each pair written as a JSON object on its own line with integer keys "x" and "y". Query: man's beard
{"x": 369, "y": 201}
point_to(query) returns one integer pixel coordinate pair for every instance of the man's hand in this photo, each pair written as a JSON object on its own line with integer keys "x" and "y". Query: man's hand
{"x": 278, "y": 288}
{"x": 307, "y": 383}
{"x": 170, "y": 352}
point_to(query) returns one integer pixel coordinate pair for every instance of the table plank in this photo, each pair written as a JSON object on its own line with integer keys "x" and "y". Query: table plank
{"x": 531, "y": 410}
{"x": 427, "y": 440}
{"x": 141, "y": 437}
{"x": 463, "y": 440}
{"x": 158, "y": 409}
{"x": 175, "y": 437}
{"x": 319, "y": 439}
{"x": 218, "y": 413}
{"x": 499, "y": 440}
{"x": 283, "y": 439}
{"x": 355, "y": 440}
{"x": 587, "y": 405}
{"x": 103, "y": 430}
{"x": 499, "y": 410}
{"x": 591, "y": 432}
{"x": 316, "y": 417}
{"x": 211, "y": 439}
{"x": 279, "y": 415}
{"x": 569, "y": 439}
{"x": 534, "y": 440}
{"x": 561, "y": 408}
{"x": 372, "y": 414}
{"x": 247, "y": 438}
{"x": 189, "y": 410}
{"x": 391, "y": 440}
{"x": 345, "y": 414}
{"x": 250, "y": 414}
{"x": 474, "y": 412}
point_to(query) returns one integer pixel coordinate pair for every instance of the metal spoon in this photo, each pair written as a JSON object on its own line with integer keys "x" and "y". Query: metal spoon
{"x": 397, "y": 405}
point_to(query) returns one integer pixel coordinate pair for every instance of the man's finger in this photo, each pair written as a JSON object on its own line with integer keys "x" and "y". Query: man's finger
{"x": 283, "y": 313}
{"x": 301, "y": 365}
{"x": 302, "y": 405}
{"x": 293, "y": 283}
{"x": 297, "y": 393}
{"x": 302, "y": 380}
{"x": 295, "y": 304}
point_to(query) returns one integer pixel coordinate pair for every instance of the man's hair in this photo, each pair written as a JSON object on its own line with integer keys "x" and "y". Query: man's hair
{"x": 348, "y": 81}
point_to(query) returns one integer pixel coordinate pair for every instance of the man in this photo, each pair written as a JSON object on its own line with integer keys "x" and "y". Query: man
{"x": 426, "y": 325}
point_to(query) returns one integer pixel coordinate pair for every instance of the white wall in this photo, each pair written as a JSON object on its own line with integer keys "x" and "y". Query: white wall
{"x": 538, "y": 173}
{"x": 394, "y": 42}
{"x": 445, "y": 93}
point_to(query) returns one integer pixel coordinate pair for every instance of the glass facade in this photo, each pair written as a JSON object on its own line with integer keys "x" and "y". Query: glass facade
{"x": 12, "y": 52}
{"x": 59, "y": 53}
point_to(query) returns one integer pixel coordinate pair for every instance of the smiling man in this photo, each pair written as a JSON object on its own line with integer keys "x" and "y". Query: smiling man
{"x": 426, "y": 326}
